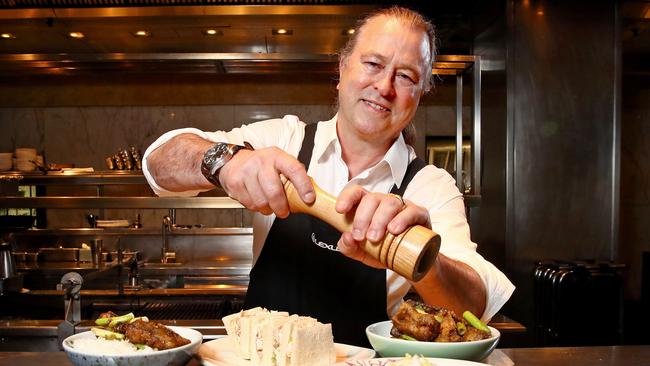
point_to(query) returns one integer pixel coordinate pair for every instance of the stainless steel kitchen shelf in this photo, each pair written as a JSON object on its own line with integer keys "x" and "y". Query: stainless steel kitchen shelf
{"x": 119, "y": 202}
{"x": 195, "y": 62}
{"x": 95, "y": 179}
{"x": 129, "y": 231}
{"x": 142, "y": 202}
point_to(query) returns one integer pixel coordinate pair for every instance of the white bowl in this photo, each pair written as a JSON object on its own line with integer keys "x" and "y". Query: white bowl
{"x": 27, "y": 153}
{"x": 387, "y": 346}
{"x": 171, "y": 357}
{"x": 6, "y": 164}
{"x": 25, "y": 165}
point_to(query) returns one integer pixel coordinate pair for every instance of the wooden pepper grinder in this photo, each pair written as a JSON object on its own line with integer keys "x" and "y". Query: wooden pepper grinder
{"x": 410, "y": 253}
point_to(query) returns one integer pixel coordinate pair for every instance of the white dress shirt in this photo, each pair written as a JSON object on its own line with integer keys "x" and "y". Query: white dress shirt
{"x": 432, "y": 188}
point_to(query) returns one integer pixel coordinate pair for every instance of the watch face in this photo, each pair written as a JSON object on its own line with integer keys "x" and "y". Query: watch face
{"x": 215, "y": 156}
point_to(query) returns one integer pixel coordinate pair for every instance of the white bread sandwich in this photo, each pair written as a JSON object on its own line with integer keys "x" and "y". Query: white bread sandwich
{"x": 260, "y": 326}
{"x": 242, "y": 328}
{"x": 270, "y": 338}
{"x": 303, "y": 341}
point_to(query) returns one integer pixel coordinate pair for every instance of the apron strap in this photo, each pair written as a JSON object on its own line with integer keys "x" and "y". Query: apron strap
{"x": 307, "y": 144}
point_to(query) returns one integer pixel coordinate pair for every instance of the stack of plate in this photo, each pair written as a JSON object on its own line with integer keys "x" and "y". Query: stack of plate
{"x": 25, "y": 157}
{"x": 6, "y": 161}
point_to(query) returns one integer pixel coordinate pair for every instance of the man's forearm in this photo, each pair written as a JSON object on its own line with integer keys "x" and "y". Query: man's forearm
{"x": 176, "y": 164}
{"x": 453, "y": 285}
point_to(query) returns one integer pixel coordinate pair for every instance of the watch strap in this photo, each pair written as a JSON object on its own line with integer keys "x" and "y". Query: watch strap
{"x": 217, "y": 156}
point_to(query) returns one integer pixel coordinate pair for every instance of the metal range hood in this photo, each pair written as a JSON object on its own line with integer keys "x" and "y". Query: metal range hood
{"x": 245, "y": 38}
{"x": 244, "y": 41}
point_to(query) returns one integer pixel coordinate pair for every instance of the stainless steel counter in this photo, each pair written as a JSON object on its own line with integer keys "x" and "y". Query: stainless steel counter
{"x": 41, "y": 335}
{"x": 201, "y": 268}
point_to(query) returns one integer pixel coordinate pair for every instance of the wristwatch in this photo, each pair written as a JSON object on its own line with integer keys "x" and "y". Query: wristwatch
{"x": 216, "y": 157}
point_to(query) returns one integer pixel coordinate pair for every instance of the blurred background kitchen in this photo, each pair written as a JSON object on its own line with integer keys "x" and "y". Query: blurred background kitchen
{"x": 541, "y": 111}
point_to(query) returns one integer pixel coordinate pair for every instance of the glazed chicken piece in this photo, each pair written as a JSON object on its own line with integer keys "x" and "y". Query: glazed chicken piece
{"x": 414, "y": 320}
{"x": 473, "y": 334}
{"x": 427, "y": 323}
{"x": 448, "y": 326}
{"x": 152, "y": 334}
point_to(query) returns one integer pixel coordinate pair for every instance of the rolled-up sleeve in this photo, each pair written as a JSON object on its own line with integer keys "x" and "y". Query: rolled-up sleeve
{"x": 279, "y": 132}
{"x": 447, "y": 212}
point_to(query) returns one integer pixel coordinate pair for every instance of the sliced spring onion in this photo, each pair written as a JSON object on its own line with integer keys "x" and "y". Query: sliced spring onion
{"x": 475, "y": 322}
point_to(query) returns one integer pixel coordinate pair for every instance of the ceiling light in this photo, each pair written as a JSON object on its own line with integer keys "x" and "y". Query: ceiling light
{"x": 7, "y": 35}
{"x": 212, "y": 32}
{"x": 348, "y": 32}
{"x": 76, "y": 35}
{"x": 282, "y": 32}
{"x": 142, "y": 33}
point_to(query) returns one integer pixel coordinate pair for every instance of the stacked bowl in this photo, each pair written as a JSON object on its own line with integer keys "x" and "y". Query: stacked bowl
{"x": 25, "y": 158}
{"x": 6, "y": 161}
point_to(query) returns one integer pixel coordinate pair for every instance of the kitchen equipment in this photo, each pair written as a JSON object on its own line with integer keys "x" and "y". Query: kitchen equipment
{"x": 16, "y": 222}
{"x": 563, "y": 289}
{"x": 112, "y": 223}
{"x": 20, "y": 256}
{"x": 31, "y": 257}
{"x": 410, "y": 253}
{"x": 7, "y": 264}
{"x": 59, "y": 254}
{"x": 96, "y": 248}
{"x": 92, "y": 220}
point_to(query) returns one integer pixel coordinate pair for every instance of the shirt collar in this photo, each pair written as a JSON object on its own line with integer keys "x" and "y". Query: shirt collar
{"x": 397, "y": 157}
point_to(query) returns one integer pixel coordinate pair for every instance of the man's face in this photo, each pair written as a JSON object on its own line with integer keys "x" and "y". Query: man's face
{"x": 381, "y": 81}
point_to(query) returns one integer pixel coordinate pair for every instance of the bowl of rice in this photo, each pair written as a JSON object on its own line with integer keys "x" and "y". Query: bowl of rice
{"x": 86, "y": 349}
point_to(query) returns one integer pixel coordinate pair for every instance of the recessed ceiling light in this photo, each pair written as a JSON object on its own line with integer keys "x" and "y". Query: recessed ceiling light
{"x": 282, "y": 32}
{"x": 7, "y": 35}
{"x": 213, "y": 32}
{"x": 142, "y": 33}
{"x": 76, "y": 35}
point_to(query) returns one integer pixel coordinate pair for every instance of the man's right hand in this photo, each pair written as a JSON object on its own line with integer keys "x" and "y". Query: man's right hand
{"x": 254, "y": 179}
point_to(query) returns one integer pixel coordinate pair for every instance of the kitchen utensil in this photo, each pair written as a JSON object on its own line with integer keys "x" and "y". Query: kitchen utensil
{"x": 7, "y": 264}
{"x": 410, "y": 253}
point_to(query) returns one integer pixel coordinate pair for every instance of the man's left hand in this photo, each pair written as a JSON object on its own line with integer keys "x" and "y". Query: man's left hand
{"x": 375, "y": 215}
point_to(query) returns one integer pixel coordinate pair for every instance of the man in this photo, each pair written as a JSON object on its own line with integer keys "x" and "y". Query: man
{"x": 303, "y": 265}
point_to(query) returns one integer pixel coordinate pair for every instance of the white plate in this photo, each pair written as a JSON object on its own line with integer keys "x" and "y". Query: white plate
{"x": 386, "y": 361}
{"x": 170, "y": 357}
{"x": 220, "y": 352}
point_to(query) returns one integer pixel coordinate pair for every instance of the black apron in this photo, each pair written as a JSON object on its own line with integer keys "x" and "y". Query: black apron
{"x": 300, "y": 271}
